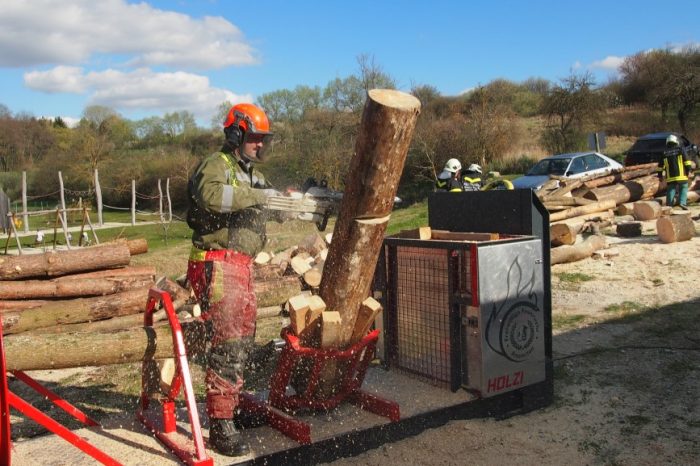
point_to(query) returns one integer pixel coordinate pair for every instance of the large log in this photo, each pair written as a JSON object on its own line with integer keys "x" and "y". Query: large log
{"x": 577, "y": 252}
{"x": 675, "y": 228}
{"x": 564, "y": 232}
{"x": 36, "y": 289}
{"x": 388, "y": 121}
{"x": 73, "y": 311}
{"x": 582, "y": 210}
{"x": 30, "y": 351}
{"x": 55, "y": 263}
{"x": 644, "y": 187}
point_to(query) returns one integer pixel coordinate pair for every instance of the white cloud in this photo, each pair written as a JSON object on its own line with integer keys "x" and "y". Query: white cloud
{"x": 141, "y": 89}
{"x": 610, "y": 63}
{"x": 61, "y": 32}
{"x": 577, "y": 65}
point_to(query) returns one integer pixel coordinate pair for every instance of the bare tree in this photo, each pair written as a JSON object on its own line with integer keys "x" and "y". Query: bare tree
{"x": 569, "y": 106}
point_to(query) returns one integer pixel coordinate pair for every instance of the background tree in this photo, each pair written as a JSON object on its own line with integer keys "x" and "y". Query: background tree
{"x": 569, "y": 107}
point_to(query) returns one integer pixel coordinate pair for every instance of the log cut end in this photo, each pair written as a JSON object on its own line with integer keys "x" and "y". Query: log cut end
{"x": 395, "y": 99}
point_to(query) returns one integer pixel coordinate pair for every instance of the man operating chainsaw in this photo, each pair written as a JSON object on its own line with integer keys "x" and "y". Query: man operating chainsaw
{"x": 227, "y": 198}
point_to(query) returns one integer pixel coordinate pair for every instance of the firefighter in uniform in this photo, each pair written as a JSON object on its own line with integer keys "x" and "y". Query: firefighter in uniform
{"x": 472, "y": 178}
{"x": 449, "y": 178}
{"x": 676, "y": 166}
{"x": 226, "y": 197}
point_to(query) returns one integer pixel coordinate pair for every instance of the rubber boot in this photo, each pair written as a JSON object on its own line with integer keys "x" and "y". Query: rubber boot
{"x": 225, "y": 439}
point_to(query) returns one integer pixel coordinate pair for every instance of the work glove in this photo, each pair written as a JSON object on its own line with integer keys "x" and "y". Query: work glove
{"x": 245, "y": 196}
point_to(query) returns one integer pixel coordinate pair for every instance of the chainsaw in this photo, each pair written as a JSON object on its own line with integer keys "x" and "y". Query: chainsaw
{"x": 316, "y": 204}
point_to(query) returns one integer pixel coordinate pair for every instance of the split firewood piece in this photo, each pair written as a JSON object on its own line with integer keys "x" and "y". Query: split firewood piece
{"x": 328, "y": 238}
{"x": 675, "y": 228}
{"x": 463, "y": 236}
{"x": 167, "y": 369}
{"x": 277, "y": 290}
{"x": 646, "y": 210}
{"x": 298, "y": 308}
{"x": 369, "y": 310}
{"x": 262, "y": 258}
{"x": 322, "y": 256}
{"x": 423, "y": 233}
{"x": 330, "y": 329}
{"x": 299, "y": 264}
{"x": 312, "y": 333}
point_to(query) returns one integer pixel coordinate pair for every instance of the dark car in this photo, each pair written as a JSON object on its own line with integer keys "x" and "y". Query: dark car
{"x": 650, "y": 148}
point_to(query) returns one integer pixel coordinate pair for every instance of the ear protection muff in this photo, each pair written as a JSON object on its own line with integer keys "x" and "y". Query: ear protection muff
{"x": 234, "y": 135}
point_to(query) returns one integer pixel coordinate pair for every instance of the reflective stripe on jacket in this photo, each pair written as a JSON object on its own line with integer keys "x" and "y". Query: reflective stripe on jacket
{"x": 675, "y": 164}
{"x": 223, "y": 211}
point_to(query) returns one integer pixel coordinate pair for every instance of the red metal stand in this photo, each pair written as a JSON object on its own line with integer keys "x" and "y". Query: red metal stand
{"x": 189, "y": 452}
{"x": 10, "y": 400}
{"x": 355, "y": 360}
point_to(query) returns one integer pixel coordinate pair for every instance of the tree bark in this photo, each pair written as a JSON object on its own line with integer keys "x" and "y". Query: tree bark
{"x": 675, "y": 228}
{"x": 582, "y": 210}
{"x": 388, "y": 121}
{"x": 646, "y": 210}
{"x": 75, "y": 311}
{"x": 37, "y": 289}
{"x": 633, "y": 190}
{"x": 577, "y": 252}
{"x": 564, "y": 232}
{"x": 55, "y": 263}
{"x": 277, "y": 291}
{"x": 59, "y": 351}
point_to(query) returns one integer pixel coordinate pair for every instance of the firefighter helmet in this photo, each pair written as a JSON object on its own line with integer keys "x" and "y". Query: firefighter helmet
{"x": 244, "y": 121}
{"x": 453, "y": 166}
{"x": 672, "y": 140}
{"x": 475, "y": 168}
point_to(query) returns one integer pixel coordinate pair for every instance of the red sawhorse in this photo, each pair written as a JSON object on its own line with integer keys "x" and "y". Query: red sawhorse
{"x": 355, "y": 361}
{"x": 189, "y": 452}
{"x": 10, "y": 400}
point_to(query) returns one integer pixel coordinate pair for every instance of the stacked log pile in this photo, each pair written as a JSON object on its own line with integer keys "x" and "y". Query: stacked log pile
{"x": 586, "y": 205}
{"x": 56, "y": 306}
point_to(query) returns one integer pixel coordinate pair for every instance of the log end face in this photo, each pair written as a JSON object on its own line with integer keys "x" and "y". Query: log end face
{"x": 395, "y": 99}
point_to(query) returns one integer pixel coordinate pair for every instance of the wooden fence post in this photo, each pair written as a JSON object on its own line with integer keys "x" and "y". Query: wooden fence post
{"x": 63, "y": 200}
{"x": 167, "y": 193}
{"x": 98, "y": 196}
{"x": 133, "y": 202}
{"x": 25, "y": 214}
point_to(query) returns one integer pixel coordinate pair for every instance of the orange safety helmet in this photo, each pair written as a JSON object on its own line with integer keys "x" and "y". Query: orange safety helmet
{"x": 244, "y": 119}
{"x": 249, "y": 118}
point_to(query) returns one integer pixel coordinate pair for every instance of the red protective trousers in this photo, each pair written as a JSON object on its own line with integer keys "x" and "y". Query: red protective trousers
{"x": 223, "y": 285}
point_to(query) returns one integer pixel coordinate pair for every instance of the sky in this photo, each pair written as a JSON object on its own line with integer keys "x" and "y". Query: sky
{"x": 155, "y": 57}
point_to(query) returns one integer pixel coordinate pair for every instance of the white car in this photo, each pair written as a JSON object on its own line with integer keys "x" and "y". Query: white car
{"x": 575, "y": 165}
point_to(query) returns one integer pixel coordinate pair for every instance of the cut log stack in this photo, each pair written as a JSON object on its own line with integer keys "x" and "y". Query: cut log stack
{"x": 586, "y": 205}
{"x": 87, "y": 291}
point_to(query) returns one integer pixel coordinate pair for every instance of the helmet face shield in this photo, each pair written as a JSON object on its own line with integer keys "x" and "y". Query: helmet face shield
{"x": 255, "y": 145}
